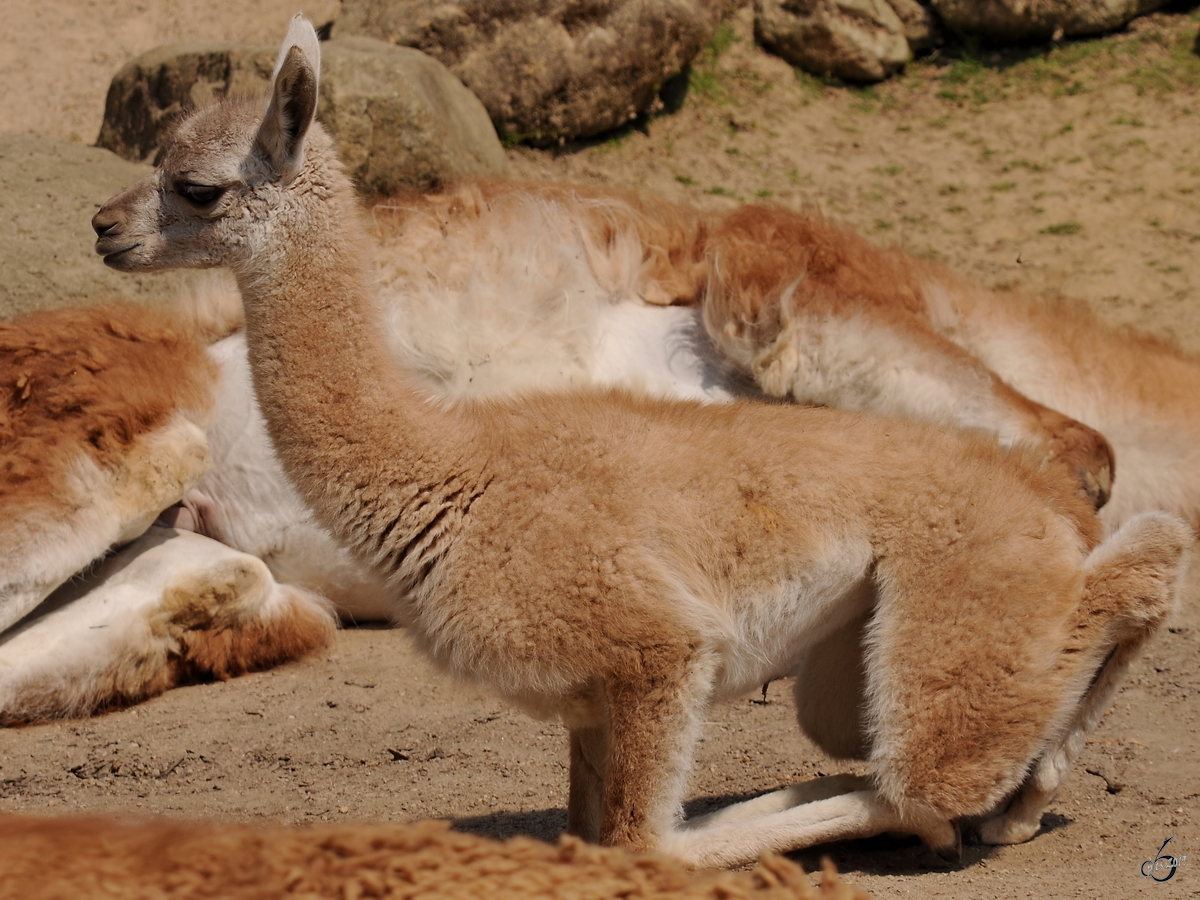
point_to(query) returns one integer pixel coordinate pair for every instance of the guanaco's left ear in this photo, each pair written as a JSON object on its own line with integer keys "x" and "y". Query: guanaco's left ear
{"x": 293, "y": 102}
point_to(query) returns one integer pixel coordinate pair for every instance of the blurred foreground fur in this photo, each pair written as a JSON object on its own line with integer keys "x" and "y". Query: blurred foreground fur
{"x": 77, "y": 858}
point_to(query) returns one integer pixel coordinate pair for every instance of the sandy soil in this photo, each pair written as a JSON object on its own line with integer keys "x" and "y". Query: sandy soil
{"x": 1074, "y": 171}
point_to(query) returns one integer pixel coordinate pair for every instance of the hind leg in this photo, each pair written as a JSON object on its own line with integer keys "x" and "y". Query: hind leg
{"x": 829, "y": 691}
{"x": 737, "y": 836}
{"x": 1023, "y": 817}
{"x": 170, "y": 608}
{"x": 1133, "y": 578}
{"x": 88, "y": 509}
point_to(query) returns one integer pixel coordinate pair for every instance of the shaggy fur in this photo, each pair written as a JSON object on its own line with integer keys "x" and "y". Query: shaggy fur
{"x": 171, "y": 608}
{"x": 101, "y": 435}
{"x": 67, "y": 859}
{"x": 98, "y": 433}
{"x": 622, "y": 562}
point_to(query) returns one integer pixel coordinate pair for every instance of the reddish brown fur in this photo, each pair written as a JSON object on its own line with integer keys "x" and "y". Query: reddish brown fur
{"x": 762, "y": 249}
{"x": 93, "y": 379}
{"x": 71, "y": 858}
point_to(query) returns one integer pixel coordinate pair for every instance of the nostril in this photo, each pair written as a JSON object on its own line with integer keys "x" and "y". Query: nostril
{"x": 104, "y": 224}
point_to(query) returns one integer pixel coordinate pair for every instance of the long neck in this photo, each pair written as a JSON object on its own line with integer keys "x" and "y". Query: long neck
{"x": 389, "y": 472}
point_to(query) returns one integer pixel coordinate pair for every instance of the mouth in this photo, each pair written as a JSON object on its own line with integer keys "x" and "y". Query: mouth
{"x": 113, "y": 257}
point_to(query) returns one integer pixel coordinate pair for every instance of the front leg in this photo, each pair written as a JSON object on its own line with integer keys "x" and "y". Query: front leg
{"x": 589, "y": 764}
{"x": 655, "y": 719}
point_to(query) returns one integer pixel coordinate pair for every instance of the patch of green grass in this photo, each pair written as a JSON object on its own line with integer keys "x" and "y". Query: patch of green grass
{"x": 904, "y": 128}
{"x": 1158, "y": 60}
{"x": 719, "y": 191}
{"x": 1024, "y": 164}
{"x": 1164, "y": 268}
{"x": 723, "y": 38}
{"x": 709, "y": 84}
{"x": 1002, "y": 186}
{"x": 957, "y": 208}
{"x": 612, "y": 142}
{"x": 866, "y": 100}
{"x": 1062, "y": 228}
{"x": 1074, "y": 159}
{"x": 732, "y": 151}
{"x": 884, "y": 225}
{"x": 946, "y": 189}
{"x": 685, "y": 180}
{"x": 811, "y": 86}
{"x": 887, "y": 170}
{"x": 704, "y": 79}
{"x": 763, "y": 194}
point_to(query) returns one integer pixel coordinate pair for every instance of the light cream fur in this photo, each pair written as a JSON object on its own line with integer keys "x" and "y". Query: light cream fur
{"x": 622, "y": 562}
{"x": 97, "y": 508}
{"x": 170, "y": 608}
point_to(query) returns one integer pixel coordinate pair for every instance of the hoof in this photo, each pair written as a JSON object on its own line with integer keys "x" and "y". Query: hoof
{"x": 1085, "y": 452}
{"x": 1008, "y": 829}
{"x": 947, "y": 845}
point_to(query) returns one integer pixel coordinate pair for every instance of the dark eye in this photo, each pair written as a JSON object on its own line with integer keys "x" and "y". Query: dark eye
{"x": 199, "y": 194}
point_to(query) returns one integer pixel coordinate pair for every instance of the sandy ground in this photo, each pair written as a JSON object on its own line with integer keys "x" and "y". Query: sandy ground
{"x": 1074, "y": 172}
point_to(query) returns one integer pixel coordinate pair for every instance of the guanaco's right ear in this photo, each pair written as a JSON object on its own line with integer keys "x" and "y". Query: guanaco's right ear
{"x": 293, "y": 102}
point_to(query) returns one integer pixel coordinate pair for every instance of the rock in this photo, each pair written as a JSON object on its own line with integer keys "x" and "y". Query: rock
{"x": 1039, "y": 20}
{"x": 858, "y": 40}
{"x": 549, "y": 69}
{"x": 920, "y": 25}
{"x": 49, "y": 191}
{"x": 152, "y": 90}
{"x": 400, "y": 119}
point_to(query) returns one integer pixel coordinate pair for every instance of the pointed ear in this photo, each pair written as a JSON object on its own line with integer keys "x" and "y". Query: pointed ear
{"x": 293, "y": 102}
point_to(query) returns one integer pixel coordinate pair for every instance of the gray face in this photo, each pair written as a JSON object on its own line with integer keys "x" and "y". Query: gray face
{"x": 205, "y": 204}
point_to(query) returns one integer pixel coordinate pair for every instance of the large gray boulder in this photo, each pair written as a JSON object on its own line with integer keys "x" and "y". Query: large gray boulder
{"x": 858, "y": 40}
{"x": 1039, "y": 20}
{"x": 49, "y": 191}
{"x": 548, "y": 69}
{"x": 400, "y": 119}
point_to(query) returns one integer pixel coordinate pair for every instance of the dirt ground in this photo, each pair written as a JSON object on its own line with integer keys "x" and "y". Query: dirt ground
{"x": 1074, "y": 171}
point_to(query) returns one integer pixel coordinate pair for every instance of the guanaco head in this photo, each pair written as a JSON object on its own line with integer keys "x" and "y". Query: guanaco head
{"x": 227, "y": 178}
